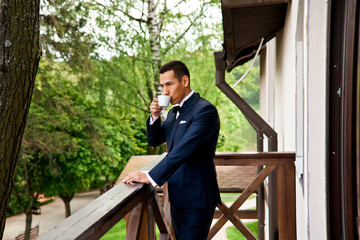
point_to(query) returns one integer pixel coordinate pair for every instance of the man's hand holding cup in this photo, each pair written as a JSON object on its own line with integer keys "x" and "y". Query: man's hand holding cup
{"x": 162, "y": 101}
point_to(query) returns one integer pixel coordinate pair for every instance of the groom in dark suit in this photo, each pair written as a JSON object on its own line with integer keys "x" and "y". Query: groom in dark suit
{"x": 191, "y": 132}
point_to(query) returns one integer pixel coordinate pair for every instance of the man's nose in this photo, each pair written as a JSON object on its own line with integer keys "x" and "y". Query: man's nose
{"x": 166, "y": 91}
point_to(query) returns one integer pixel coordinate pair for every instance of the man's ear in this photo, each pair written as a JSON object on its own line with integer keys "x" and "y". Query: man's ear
{"x": 185, "y": 80}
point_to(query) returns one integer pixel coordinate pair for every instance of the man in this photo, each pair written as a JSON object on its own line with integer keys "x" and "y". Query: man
{"x": 191, "y": 132}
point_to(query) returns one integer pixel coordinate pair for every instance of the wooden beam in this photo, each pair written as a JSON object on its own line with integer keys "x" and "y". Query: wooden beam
{"x": 241, "y": 214}
{"x": 256, "y": 155}
{"x": 251, "y": 162}
{"x": 147, "y": 228}
{"x": 228, "y": 34}
{"x": 254, "y": 159}
{"x": 286, "y": 202}
{"x": 250, "y": 3}
{"x": 133, "y": 230}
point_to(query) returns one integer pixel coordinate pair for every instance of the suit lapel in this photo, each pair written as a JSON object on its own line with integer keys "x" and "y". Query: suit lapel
{"x": 188, "y": 105}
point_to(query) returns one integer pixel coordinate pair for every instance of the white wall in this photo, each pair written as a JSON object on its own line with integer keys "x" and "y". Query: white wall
{"x": 293, "y": 99}
{"x": 315, "y": 135}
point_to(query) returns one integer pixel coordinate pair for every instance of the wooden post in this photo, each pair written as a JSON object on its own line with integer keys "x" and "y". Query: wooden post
{"x": 286, "y": 202}
{"x": 260, "y": 202}
{"x": 167, "y": 211}
{"x": 147, "y": 224}
{"x": 133, "y": 229}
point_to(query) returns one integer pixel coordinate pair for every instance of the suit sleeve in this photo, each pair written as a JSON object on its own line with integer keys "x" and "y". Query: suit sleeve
{"x": 155, "y": 133}
{"x": 204, "y": 125}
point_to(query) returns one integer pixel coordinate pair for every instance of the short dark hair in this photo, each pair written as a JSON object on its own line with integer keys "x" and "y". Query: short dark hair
{"x": 178, "y": 67}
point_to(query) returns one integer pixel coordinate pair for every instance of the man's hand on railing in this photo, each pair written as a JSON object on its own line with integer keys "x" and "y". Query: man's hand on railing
{"x": 136, "y": 177}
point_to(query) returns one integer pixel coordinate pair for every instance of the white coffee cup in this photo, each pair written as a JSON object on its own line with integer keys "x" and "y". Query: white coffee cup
{"x": 164, "y": 100}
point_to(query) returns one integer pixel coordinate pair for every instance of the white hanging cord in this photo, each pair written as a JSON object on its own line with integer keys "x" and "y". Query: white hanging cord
{"x": 244, "y": 75}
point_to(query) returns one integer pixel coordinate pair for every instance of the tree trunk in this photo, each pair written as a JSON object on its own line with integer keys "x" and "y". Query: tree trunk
{"x": 67, "y": 199}
{"x": 154, "y": 38}
{"x": 19, "y": 57}
{"x": 28, "y": 225}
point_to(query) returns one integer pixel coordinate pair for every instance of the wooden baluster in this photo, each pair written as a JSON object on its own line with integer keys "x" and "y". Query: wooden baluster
{"x": 166, "y": 202}
{"x": 133, "y": 228}
{"x": 167, "y": 211}
{"x": 286, "y": 202}
{"x": 163, "y": 225}
{"x": 147, "y": 227}
{"x": 141, "y": 224}
{"x": 127, "y": 220}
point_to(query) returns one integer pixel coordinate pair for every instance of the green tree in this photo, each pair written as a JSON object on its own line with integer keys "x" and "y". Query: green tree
{"x": 67, "y": 143}
{"x": 144, "y": 33}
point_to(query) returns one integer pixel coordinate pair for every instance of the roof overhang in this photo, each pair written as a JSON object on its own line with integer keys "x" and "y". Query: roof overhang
{"x": 245, "y": 23}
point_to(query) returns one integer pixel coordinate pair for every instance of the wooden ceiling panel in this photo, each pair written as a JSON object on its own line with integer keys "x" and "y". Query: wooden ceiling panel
{"x": 250, "y": 3}
{"x": 245, "y": 26}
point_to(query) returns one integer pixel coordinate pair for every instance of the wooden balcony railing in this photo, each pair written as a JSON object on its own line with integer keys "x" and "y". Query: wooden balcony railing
{"x": 141, "y": 206}
{"x": 281, "y": 164}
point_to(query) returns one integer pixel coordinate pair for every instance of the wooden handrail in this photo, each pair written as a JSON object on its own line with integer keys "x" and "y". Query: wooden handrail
{"x": 254, "y": 159}
{"x": 99, "y": 216}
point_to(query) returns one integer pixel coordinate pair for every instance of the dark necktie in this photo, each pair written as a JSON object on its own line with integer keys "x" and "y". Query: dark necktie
{"x": 177, "y": 109}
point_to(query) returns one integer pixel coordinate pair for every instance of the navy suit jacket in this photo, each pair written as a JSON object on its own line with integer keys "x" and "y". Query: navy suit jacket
{"x": 191, "y": 143}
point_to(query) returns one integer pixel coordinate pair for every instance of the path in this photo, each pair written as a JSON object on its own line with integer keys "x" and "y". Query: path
{"x": 51, "y": 215}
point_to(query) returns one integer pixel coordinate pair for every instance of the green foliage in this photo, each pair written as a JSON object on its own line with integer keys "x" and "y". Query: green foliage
{"x": 70, "y": 139}
{"x": 249, "y": 87}
{"x": 98, "y": 76}
{"x": 65, "y": 32}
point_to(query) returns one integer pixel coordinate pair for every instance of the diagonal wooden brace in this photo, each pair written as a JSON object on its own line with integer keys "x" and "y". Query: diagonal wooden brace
{"x": 245, "y": 195}
{"x": 237, "y": 222}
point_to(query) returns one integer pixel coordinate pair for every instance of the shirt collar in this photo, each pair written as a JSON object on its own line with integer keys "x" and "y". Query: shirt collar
{"x": 185, "y": 98}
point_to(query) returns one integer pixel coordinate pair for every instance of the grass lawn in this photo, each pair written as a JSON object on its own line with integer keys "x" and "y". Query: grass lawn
{"x": 233, "y": 234}
{"x": 231, "y": 197}
{"x": 117, "y": 232}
